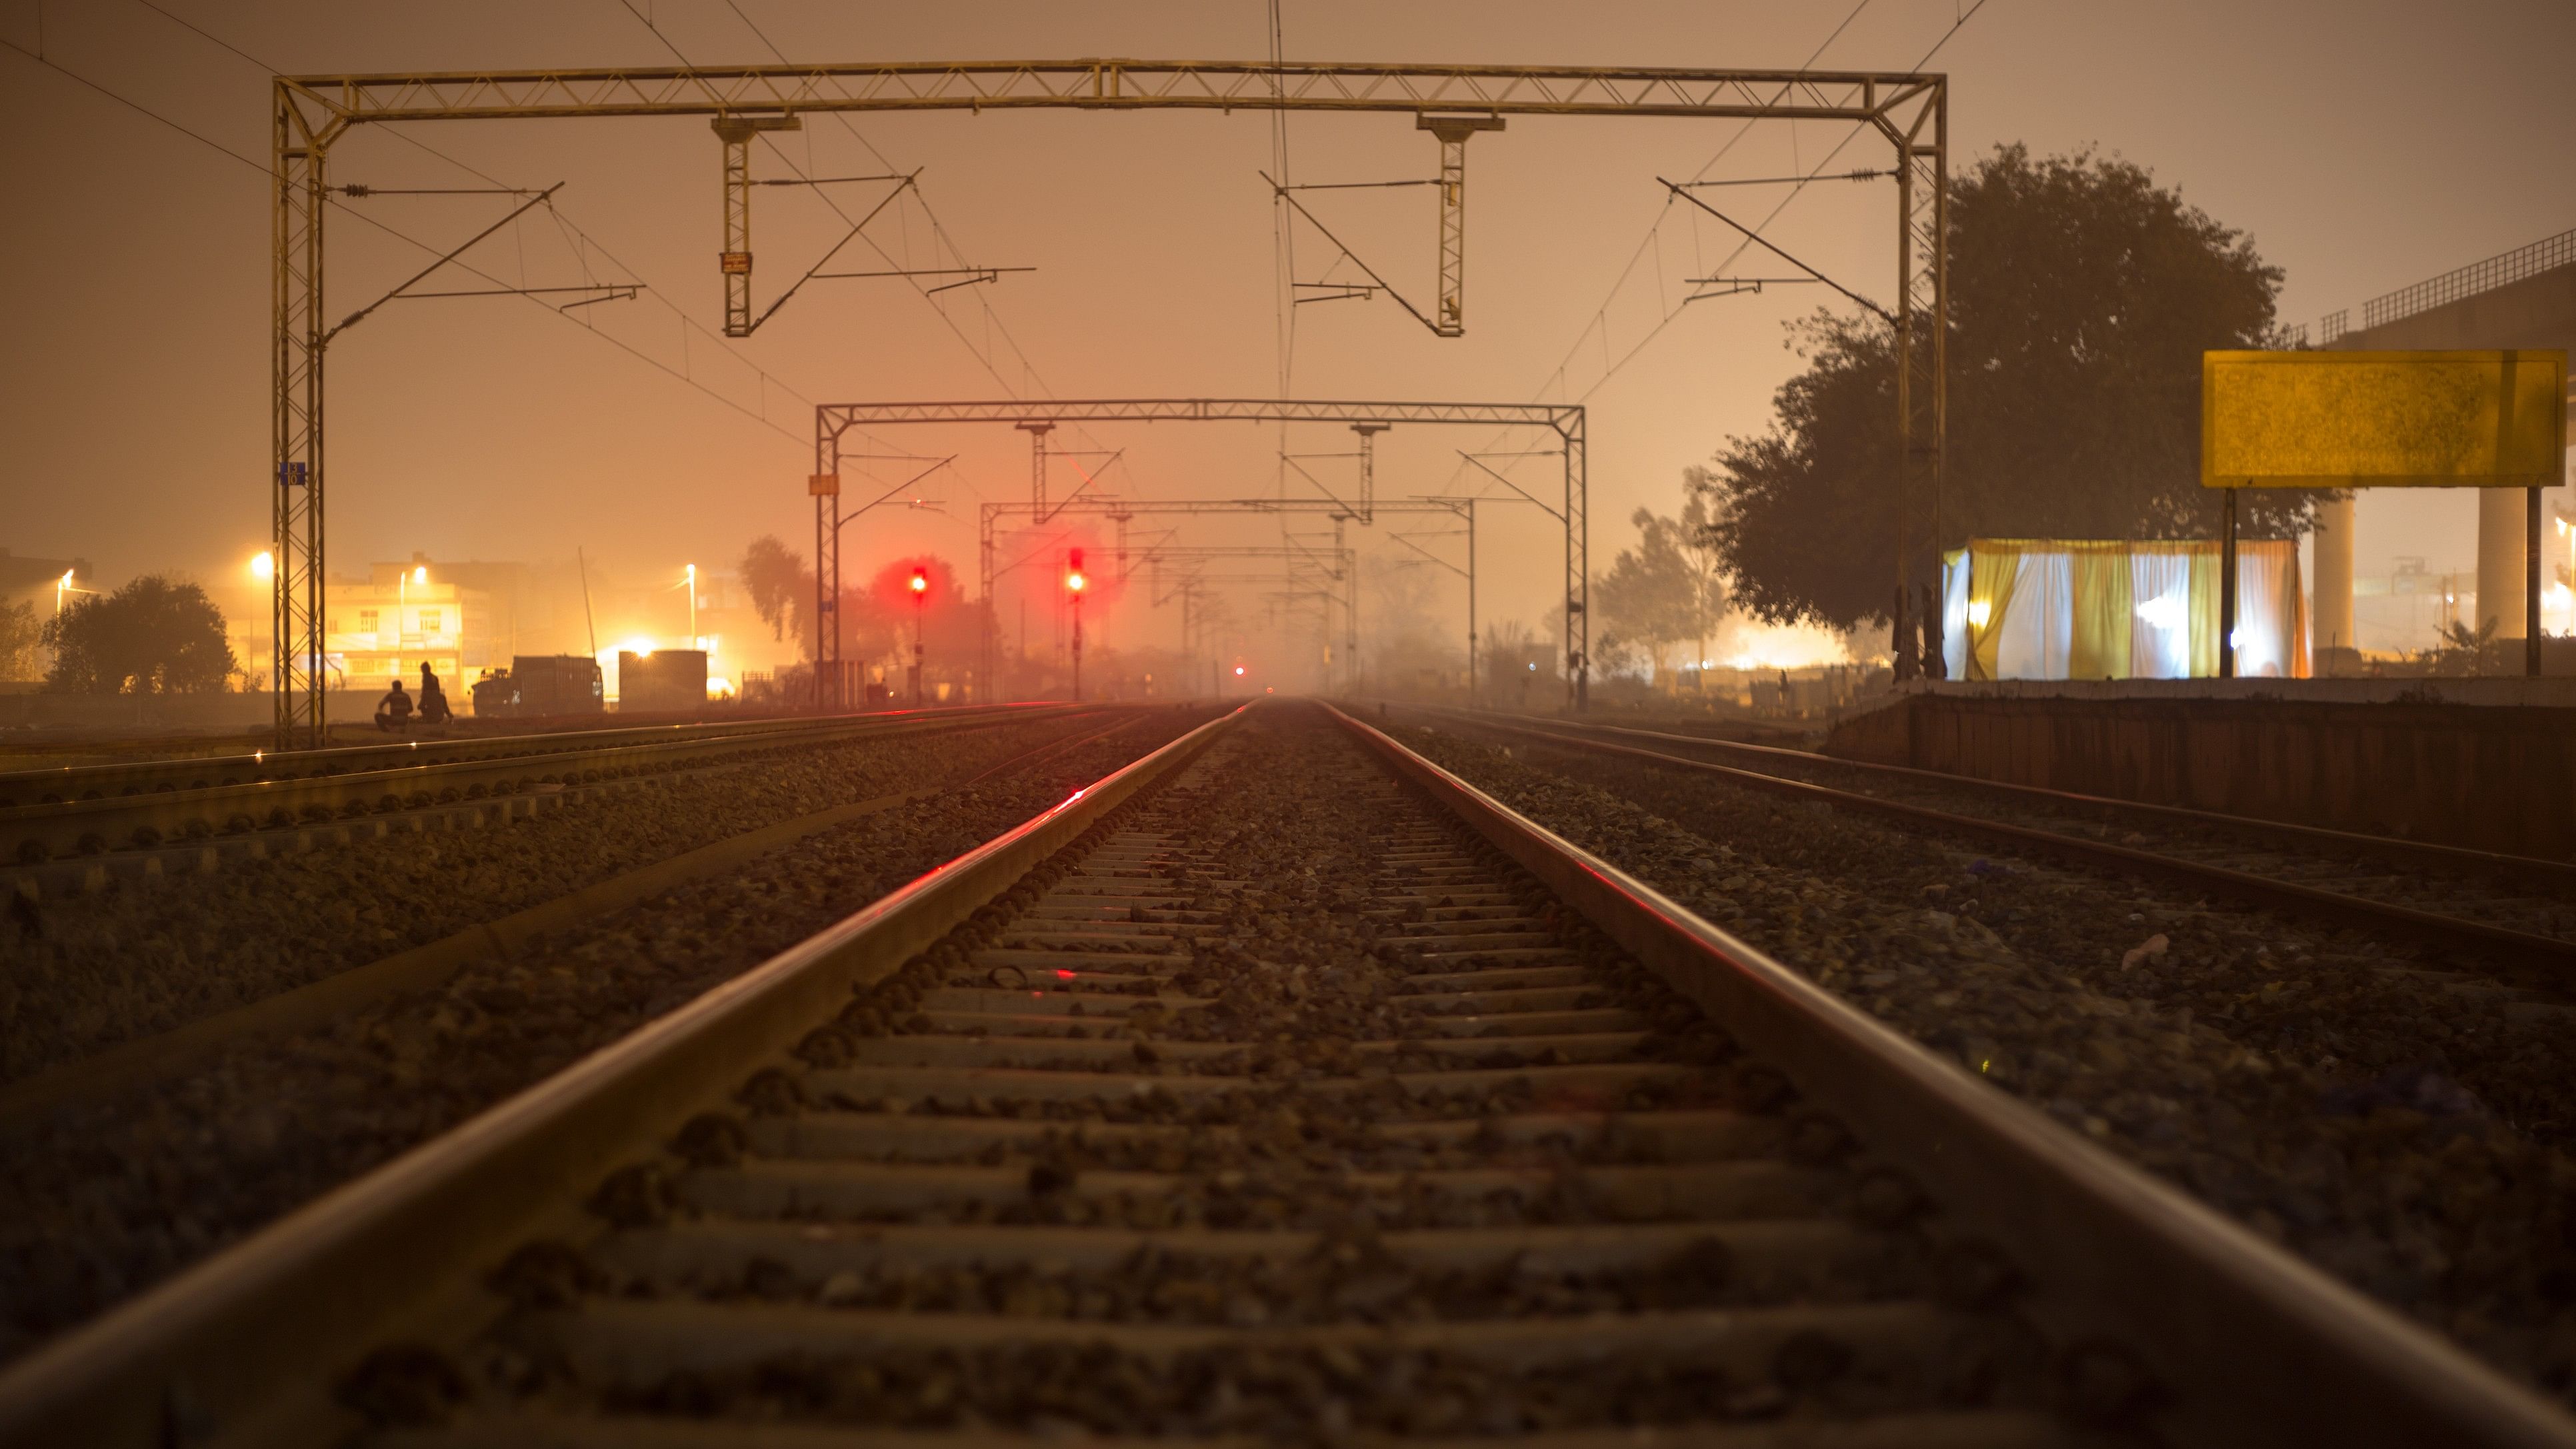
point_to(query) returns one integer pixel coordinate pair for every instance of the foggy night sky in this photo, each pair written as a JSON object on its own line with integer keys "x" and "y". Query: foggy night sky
{"x": 2364, "y": 145}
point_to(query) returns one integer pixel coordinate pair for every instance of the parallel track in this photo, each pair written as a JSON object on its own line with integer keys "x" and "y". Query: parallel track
{"x": 1278, "y": 1086}
{"x": 2299, "y": 870}
{"x": 144, "y": 805}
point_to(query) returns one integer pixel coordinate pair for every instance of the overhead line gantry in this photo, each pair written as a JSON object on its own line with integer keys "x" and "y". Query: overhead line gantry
{"x": 312, "y": 112}
{"x": 1366, "y": 419}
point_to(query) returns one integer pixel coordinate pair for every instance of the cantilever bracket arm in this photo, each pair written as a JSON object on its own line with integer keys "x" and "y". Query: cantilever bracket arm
{"x": 1383, "y": 285}
{"x": 904, "y": 184}
{"x": 1756, "y": 238}
{"x": 1556, "y": 513}
{"x": 354, "y": 318}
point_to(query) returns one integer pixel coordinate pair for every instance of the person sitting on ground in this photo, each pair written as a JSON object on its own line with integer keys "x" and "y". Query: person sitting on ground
{"x": 393, "y": 712}
{"x": 433, "y": 700}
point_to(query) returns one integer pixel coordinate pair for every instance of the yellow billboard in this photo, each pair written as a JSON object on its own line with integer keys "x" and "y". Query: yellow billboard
{"x": 2383, "y": 419}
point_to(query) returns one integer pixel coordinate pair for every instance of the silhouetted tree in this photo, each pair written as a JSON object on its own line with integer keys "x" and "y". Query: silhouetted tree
{"x": 153, "y": 636}
{"x": 2081, "y": 298}
{"x": 779, "y": 584}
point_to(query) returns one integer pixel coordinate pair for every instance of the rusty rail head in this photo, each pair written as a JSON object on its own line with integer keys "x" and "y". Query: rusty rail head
{"x": 2262, "y": 1348}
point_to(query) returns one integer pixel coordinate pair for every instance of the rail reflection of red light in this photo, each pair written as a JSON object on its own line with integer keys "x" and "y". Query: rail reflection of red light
{"x": 1062, "y": 974}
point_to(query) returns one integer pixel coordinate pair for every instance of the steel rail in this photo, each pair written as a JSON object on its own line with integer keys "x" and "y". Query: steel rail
{"x": 2554, "y": 874}
{"x": 245, "y": 1339}
{"x": 30, "y": 834}
{"x": 2260, "y": 1347}
{"x": 2552, "y": 957}
{"x": 135, "y": 777}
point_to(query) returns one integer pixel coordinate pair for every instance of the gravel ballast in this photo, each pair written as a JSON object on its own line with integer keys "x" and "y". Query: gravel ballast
{"x": 2404, "y": 1129}
{"x": 83, "y": 973}
{"x": 101, "y": 1199}
{"x": 1308, "y": 1263}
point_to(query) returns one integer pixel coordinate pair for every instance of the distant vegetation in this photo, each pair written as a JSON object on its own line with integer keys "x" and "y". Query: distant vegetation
{"x": 2081, "y": 297}
{"x": 20, "y": 636}
{"x": 153, "y": 636}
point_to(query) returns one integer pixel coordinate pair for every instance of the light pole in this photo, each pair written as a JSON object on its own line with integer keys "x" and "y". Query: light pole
{"x": 920, "y": 596}
{"x": 693, "y": 606}
{"x": 1074, "y": 583}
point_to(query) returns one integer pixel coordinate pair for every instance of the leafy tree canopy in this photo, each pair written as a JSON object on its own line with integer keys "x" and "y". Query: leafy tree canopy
{"x": 776, "y": 578}
{"x": 1668, "y": 590}
{"x": 2081, "y": 297}
{"x": 153, "y": 636}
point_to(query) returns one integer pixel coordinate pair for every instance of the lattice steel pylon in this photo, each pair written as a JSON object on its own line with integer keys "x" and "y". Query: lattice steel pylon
{"x": 736, "y": 133}
{"x": 1922, "y": 342}
{"x": 1449, "y": 314}
{"x": 314, "y": 111}
{"x": 298, "y": 679}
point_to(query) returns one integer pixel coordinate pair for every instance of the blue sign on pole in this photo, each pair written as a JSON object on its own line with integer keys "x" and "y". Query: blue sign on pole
{"x": 291, "y": 474}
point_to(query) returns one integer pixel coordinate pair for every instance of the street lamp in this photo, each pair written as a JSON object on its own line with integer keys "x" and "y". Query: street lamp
{"x": 263, "y": 566}
{"x": 920, "y": 596}
{"x": 1074, "y": 583}
{"x": 693, "y": 607}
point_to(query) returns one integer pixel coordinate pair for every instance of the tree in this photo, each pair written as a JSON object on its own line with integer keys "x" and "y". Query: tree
{"x": 1648, "y": 600}
{"x": 779, "y": 584}
{"x": 2081, "y": 298}
{"x": 153, "y": 636}
{"x": 19, "y": 636}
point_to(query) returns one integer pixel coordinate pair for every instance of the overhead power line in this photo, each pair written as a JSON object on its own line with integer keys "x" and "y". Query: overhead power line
{"x": 262, "y": 169}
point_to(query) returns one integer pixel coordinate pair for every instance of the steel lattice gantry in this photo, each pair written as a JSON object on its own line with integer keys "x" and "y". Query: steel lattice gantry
{"x": 313, "y": 112}
{"x": 1367, "y": 419}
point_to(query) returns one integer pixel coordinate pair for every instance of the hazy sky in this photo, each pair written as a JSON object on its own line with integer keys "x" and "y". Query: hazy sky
{"x": 2365, "y": 146}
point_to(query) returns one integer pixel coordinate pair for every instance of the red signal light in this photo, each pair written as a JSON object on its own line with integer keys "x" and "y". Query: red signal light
{"x": 1073, "y": 578}
{"x": 1238, "y": 671}
{"x": 921, "y": 581}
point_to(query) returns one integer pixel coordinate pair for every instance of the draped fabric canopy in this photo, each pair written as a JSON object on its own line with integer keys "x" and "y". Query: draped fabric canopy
{"x": 2025, "y": 608}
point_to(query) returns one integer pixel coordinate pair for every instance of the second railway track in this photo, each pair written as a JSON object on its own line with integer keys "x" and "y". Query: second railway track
{"x": 2513, "y": 914}
{"x": 1279, "y": 1087}
{"x": 47, "y": 815}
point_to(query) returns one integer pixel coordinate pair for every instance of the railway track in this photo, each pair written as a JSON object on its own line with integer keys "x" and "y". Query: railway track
{"x": 94, "y": 810}
{"x": 2513, "y": 914}
{"x": 1277, "y": 1087}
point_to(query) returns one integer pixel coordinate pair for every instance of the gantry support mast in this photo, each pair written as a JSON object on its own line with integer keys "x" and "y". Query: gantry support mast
{"x": 313, "y": 112}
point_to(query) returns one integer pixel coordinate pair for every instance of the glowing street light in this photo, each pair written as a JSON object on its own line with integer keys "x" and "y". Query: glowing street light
{"x": 263, "y": 566}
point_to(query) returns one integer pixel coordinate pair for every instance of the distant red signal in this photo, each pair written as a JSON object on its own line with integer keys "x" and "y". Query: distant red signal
{"x": 920, "y": 580}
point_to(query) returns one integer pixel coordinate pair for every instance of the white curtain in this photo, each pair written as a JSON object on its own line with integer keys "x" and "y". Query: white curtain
{"x": 2160, "y": 638}
{"x": 2270, "y": 640}
{"x": 2036, "y": 636}
{"x": 1954, "y": 614}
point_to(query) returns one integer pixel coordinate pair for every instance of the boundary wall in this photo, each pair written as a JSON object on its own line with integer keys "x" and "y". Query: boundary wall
{"x": 2489, "y": 763}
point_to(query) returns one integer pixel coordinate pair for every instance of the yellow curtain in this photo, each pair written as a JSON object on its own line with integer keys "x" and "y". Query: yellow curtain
{"x": 2104, "y": 606}
{"x": 2204, "y": 609}
{"x": 1994, "y": 566}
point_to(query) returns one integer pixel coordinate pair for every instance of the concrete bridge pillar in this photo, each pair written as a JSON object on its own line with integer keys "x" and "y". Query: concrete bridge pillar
{"x": 2330, "y": 631}
{"x": 2504, "y": 530}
